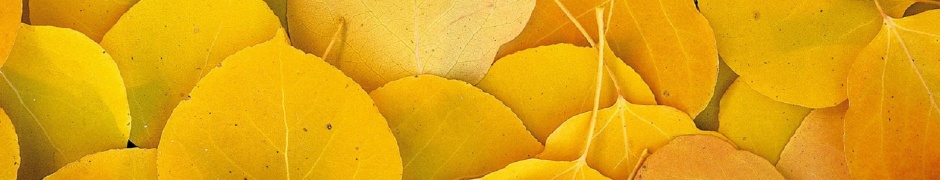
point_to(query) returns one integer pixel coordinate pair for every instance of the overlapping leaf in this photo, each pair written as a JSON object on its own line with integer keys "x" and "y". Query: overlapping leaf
{"x": 892, "y": 125}
{"x": 113, "y": 164}
{"x": 708, "y": 119}
{"x": 10, "y": 14}
{"x": 273, "y": 112}
{"x": 448, "y": 129}
{"x": 93, "y": 18}
{"x": 816, "y": 149}
{"x": 545, "y": 169}
{"x": 756, "y": 122}
{"x": 897, "y": 8}
{"x": 796, "y": 52}
{"x": 163, "y": 47}
{"x": 547, "y": 85}
{"x": 10, "y": 153}
{"x": 65, "y": 97}
{"x": 704, "y": 157}
{"x": 376, "y": 42}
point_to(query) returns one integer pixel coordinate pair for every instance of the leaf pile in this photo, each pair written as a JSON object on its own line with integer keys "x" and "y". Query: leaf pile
{"x": 496, "y": 89}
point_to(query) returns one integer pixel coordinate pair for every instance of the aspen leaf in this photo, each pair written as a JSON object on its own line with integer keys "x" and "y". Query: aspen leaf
{"x": 920, "y": 7}
{"x": 892, "y": 125}
{"x": 797, "y": 52}
{"x": 704, "y": 157}
{"x": 448, "y": 129}
{"x": 272, "y": 112}
{"x": 547, "y": 85}
{"x": 92, "y": 17}
{"x": 708, "y": 119}
{"x": 65, "y": 97}
{"x": 897, "y": 8}
{"x": 551, "y": 24}
{"x": 112, "y": 164}
{"x": 10, "y": 148}
{"x": 10, "y": 14}
{"x": 163, "y": 47}
{"x": 816, "y": 149}
{"x": 381, "y": 41}
{"x": 757, "y": 123}
{"x": 622, "y": 133}
{"x": 545, "y": 169}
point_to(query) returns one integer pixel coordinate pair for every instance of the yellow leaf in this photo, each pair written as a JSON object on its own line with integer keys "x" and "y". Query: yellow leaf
{"x": 622, "y": 133}
{"x": 65, "y": 97}
{"x": 797, "y": 52}
{"x": 272, "y": 112}
{"x": 448, "y": 129}
{"x": 112, "y": 164}
{"x": 704, "y": 157}
{"x": 381, "y": 41}
{"x": 545, "y": 169}
{"x": 897, "y": 8}
{"x": 163, "y": 47}
{"x": 10, "y": 148}
{"x": 816, "y": 149}
{"x": 551, "y": 24}
{"x": 547, "y": 85}
{"x": 10, "y": 14}
{"x": 708, "y": 119}
{"x": 93, "y": 18}
{"x": 757, "y": 123}
{"x": 892, "y": 125}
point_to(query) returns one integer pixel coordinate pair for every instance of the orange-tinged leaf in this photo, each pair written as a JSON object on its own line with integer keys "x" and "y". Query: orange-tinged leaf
{"x": 547, "y": 85}
{"x": 112, "y": 164}
{"x": 545, "y": 169}
{"x": 448, "y": 129}
{"x": 381, "y": 41}
{"x": 10, "y": 148}
{"x": 816, "y": 150}
{"x": 797, "y": 52}
{"x": 757, "y": 123}
{"x": 65, "y": 98}
{"x": 163, "y": 47}
{"x": 10, "y": 14}
{"x": 704, "y": 157}
{"x": 708, "y": 119}
{"x": 892, "y": 125}
{"x": 93, "y": 18}
{"x": 551, "y": 23}
{"x": 622, "y": 133}
{"x": 272, "y": 112}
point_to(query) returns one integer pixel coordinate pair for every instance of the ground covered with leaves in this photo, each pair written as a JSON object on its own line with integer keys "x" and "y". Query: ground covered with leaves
{"x": 490, "y": 89}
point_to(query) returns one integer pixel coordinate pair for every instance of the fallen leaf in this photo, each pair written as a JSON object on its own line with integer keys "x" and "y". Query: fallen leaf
{"x": 920, "y": 7}
{"x": 545, "y": 169}
{"x": 448, "y": 129}
{"x": 93, "y": 18}
{"x": 705, "y": 157}
{"x": 816, "y": 149}
{"x": 756, "y": 122}
{"x": 271, "y": 111}
{"x": 10, "y": 14}
{"x": 551, "y": 23}
{"x": 547, "y": 85}
{"x": 896, "y": 8}
{"x": 797, "y": 52}
{"x": 112, "y": 164}
{"x": 10, "y": 146}
{"x": 892, "y": 125}
{"x": 65, "y": 97}
{"x": 708, "y": 119}
{"x": 163, "y": 47}
{"x": 622, "y": 133}
{"x": 381, "y": 41}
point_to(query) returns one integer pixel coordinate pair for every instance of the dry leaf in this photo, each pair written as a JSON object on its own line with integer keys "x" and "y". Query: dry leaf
{"x": 163, "y": 47}
{"x": 113, "y": 164}
{"x": 10, "y": 148}
{"x": 622, "y": 133}
{"x": 65, "y": 97}
{"x": 708, "y": 119}
{"x": 547, "y": 85}
{"x": 892, "y": 125}
{"x": 448, "y": 129}
{"x": 756, "y": 122}
{"x": 704, "y": 157}
{"x": 92, "y": 17}
{"x": 381, "y": 41}
{"x": 816, "y": 149}
{"x": 10, "y": 14}
{"x": 545, "y": 169}
{"x": 273, "y": 111}
{"x": 797, "y": 52}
